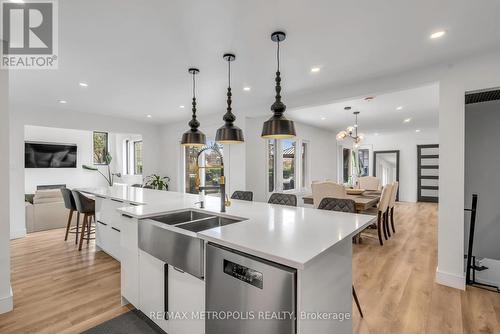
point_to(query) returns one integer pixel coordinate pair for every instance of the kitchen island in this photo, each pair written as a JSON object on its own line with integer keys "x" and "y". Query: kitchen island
{"x": 253, "y": 247}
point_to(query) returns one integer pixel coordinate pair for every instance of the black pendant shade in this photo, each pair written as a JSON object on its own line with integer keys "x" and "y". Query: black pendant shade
{"x": 278, "y": 126}
{"x": 194, "y": 137}
{"x": 229, "y": 133}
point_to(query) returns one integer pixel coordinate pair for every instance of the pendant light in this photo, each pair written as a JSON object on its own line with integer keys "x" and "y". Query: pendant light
{"x": 193, "y": 137}
{"x": 278, "y": 126}
{"x": 352, "y": 131}
{"x": 229, "y": 133}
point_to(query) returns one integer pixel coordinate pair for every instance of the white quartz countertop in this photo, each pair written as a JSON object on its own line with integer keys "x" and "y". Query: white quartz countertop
{"x": 292, "y": 236}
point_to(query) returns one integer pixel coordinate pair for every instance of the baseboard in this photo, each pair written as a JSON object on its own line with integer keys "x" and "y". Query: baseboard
{"x": 17, "y": 234}
{"x": 451, "y": 280}
{"x": 7, "y": 303}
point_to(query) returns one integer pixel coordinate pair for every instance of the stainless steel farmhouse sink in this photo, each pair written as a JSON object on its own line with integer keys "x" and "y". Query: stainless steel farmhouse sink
{"x": 183, "y": 251}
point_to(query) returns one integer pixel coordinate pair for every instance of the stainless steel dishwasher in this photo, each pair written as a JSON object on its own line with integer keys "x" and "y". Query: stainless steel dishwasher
{"x": 246, "y": 294}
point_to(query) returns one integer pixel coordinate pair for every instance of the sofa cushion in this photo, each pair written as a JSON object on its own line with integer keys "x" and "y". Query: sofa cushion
{"x": 47, "y": 196}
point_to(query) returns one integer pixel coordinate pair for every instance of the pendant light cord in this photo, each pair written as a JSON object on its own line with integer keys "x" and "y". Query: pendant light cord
{"x": 278, "y": 54}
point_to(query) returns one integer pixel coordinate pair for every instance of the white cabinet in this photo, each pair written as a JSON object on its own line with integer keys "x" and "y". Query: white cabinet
{"x": 129, "y": 260}
{"x": 152, "y": 289}
{"x": 109, "y": 224}
{"x": 186, "y": 293}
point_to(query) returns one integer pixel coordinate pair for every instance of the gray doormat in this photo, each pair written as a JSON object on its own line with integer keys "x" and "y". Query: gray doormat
{"x": 133, "y": 322}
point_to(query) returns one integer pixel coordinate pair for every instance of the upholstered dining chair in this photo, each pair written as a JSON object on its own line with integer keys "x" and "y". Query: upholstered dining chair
{"x": 382, "y": 212}
{"x": 85, "y": 206}
{"x": 242, "y": 195}
{"x": 392, "y": 203}
{"x": 368, "y": 183}
{"x": 327, "y": 189}
{"x": 283, "y": 199}
{"x": 342, "y": 205}
{"x": 69, "y": 203}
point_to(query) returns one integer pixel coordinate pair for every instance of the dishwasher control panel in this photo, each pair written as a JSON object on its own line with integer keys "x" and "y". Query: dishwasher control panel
{"x": 245, "y": 274}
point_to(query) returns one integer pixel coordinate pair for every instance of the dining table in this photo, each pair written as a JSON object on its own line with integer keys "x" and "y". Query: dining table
{"x": 364, "y": 201}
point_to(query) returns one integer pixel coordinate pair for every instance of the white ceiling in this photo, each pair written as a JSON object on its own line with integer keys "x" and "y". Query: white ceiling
{"x": 381, "y": 114}
{"x": 134, "y": 54}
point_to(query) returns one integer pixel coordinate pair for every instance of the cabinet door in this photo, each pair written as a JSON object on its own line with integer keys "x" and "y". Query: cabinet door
{"x": 152, "y": 289}
{"x": 114, "y": 243}
{"x": 102, "y": 235}
{"x": 130, "y": 260}
{"x": 186, "y": 294}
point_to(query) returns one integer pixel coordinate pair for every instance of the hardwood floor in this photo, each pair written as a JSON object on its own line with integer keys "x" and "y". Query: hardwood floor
{"x": 60, "y": 290}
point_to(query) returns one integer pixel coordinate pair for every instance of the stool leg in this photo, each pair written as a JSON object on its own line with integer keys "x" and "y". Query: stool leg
{"x": 70, "y": 217}
{"x": 77, "y": 227}
{"x": 89, "y": 225}
{"x": 82, "y": 236}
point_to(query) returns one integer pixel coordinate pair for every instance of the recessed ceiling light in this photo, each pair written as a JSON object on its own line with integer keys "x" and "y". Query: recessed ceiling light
{"x": 407, "y": 120}
{"x": 315, "y": 69}
{"x": 182, "y": 107}
{"x": 149, "y": 116}
{"x": 437, "y": 34}
{"x": 63, "y": 101}
{"x": 399, "y": 108}
{"x": 375, "y": 134}
{"x": 247, "y": 89}
{"x": 83, "y": 84}
{"x": 323, "y": 118}
{"x": 417, "y": 130}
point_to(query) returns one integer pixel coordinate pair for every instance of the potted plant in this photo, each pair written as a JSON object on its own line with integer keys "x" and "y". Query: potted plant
{"x": 157, "y": 182}
{"x": 107, "y": 161}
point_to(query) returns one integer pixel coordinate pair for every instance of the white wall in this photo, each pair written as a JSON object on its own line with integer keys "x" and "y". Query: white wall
{"x": 72, "y": 177}
{"x": 406, "y": 143}
{"x": 5, "y": 290}
{"x": 482, "y": 161}
{"x": 322, "y": 150}
{"x": 67, "y": 119}
{"x": 173, "y": 156}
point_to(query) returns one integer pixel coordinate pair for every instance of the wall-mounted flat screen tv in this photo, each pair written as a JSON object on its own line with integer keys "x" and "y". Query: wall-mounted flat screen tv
{"x": 49, "y": 155}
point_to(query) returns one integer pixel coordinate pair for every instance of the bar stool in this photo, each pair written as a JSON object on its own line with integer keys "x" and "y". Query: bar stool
{"x": 85, "y": 206}
{"x": 69, "y": 203}
{"x": 242, "y": 195}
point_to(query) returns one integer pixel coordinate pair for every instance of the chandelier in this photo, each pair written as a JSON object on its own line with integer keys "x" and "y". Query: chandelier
{"x": 351, "y": 131}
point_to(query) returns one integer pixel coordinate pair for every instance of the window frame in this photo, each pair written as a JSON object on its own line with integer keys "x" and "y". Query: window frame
{"x": 93, "y": 147}
{"x": 135, "y": 156}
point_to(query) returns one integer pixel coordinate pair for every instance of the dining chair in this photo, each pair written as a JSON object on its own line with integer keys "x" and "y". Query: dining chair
{"x": 392, "y": 203}
{"x": 383, "y": 212}
{"x": 69, "y": 203}
{"x": 368, "y": 183}
{"x": 283, "y": 199}
{"x": 85, "y": 206}
{"x": 327, "y": 189}
{"x": 341, "y": 205}
{"x": 242, "y": 195}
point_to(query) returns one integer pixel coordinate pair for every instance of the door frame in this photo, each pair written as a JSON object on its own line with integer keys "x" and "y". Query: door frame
{"x": 374, "y": 171}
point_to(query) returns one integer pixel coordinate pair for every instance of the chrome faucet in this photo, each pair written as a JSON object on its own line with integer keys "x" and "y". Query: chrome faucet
{"x": 222, "y": 180}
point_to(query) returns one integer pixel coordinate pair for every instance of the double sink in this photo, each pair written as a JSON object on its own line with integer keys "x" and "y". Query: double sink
{"x": 184, "y": 251}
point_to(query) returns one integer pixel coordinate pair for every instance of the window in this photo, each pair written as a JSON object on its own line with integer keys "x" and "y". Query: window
{"x": 210, "y": 174}
{"x": 271, "y": 165}
{"x": 288, "y": 160}
{"x": 305, "y": 165}
{"x": 138, "y": 157}
{"x": 100, "y": 147}
{"x": 364, "y": 160}
{"x": 346, "y": 155}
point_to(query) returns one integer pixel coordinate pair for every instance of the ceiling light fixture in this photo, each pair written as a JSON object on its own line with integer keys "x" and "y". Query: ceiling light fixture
{"x": 247, "y": 89}
{"x": 323, "y": 118}
{"x": 83, "y": 84}
{"x": 229, "y": 133}
{"x": 194, "y": 137}
{"x": 63, "y": 101}
{"x": 438, "y": 34}
{"x": 351, "y": 131}
{"x": 417, "y": 130}
{"x": 182, "y": 107}
{"x": 149, "y": 116}
{"x": 278, "y": 126}
{"x": 315, "y": 69}
{"x": 407, "y": 120}
{"x": 399, "y": 108}
{"x": 369, "y": 98}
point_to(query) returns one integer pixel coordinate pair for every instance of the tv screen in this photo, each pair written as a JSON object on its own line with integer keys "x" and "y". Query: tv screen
{"x": 48, "y": 155}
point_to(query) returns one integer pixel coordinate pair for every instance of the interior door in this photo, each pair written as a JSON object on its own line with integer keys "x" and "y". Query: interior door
{"x": 428, "y": 173}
